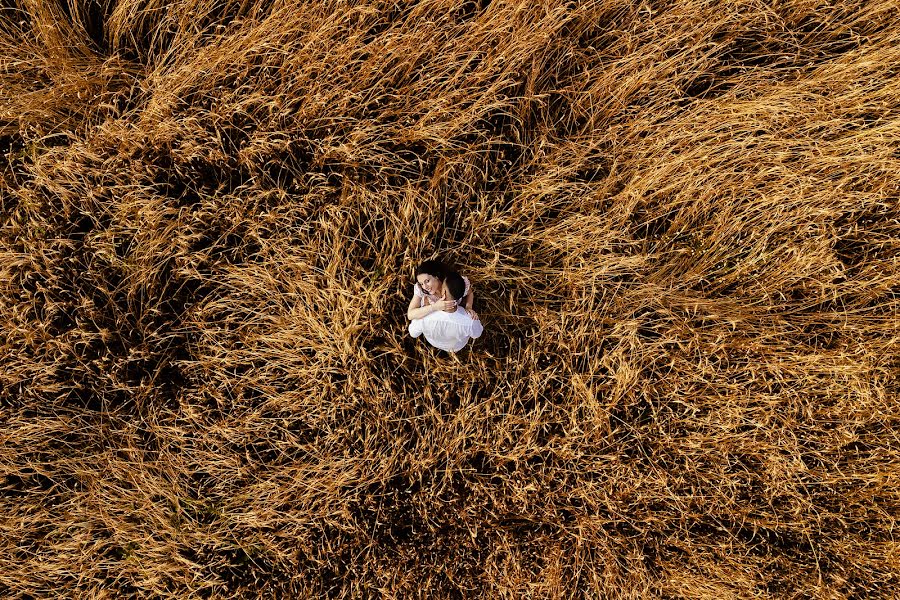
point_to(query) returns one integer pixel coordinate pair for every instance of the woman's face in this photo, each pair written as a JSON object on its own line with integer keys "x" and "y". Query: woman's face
{"x": 429, "y": 283}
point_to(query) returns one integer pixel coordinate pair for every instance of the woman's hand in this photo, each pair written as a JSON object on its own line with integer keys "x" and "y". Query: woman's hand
{"x": 472, "y": 314}
{"x": 444, "y": 304}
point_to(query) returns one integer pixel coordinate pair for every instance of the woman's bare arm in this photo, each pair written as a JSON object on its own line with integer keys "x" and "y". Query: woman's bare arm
{"x": 415, "y": 308}
{"x": 468, "y": 301}
{"x": 417, "y": 311}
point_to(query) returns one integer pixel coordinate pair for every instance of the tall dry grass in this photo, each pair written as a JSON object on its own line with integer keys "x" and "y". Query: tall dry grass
{"x": 681, "y": 220}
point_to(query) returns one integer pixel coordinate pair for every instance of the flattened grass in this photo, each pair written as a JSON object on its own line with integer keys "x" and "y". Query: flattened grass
{"x": 681, "y": 221}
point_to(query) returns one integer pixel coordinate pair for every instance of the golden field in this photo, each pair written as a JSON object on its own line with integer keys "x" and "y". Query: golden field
{"x": 681, "y": 220}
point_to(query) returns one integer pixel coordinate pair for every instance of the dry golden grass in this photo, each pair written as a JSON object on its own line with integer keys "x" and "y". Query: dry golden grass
{"x": 682, "y": 222}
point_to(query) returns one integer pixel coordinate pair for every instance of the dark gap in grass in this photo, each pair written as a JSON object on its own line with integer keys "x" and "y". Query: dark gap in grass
{"x": 636, "y": 413}
{"x": 796, "y": 295}
{"x": 66, "y": 10}
{"x": 560, "y": 111}
{"x": 868, "y": 528}
{"x": 221, "y": 244}
{"x": 812, "y": 460}
{"x": 852, "y": 253}
{"x": 96, "y": 14}
{"x": 451, "y": 400}
{"x": 174, "y": 293}
{"x": 408, "y": 163}
{"x": 596, "y": 32}
{"x": 237, "y": 562}
{"x": 647, "y": 329}
{"x": 858, "y": 449}
{"x": 202, "y": 174}
{"x": 747, "y": 52}
{"x": 387, "y": 20}
{"x": 648, "y": 226}
{"x": 140, "y": 372}
{"x": 126, "y": 95}
{"x": 333, "y": 572}
{"x": 28, "y": 481}
{"x": 625, "y": 421}
{"x": 727, "y": 291}
{"x": 743, "y": 462}
{"x": 621, "y": 528}
{"x": 840, "y": 42}
{"x": 789, "y": 543}
{"x": 470, "y": 9}
{"x": 704, "y": 529}
{"x": 482, "y": 464}
{"x": 504, "y": 158}
{"x": 820, "y": 336}
{"x": 277, "y": 173}
{"x": 87, "y": 398}
{"x": 12, "y": 148}
{"x": 235, "y": 132}
{"x": 131, "y": 55}
{"x": 264, "y": 450}
{"x": 122, "y": 244}
{"x": 60, "y": 323}
{"x": 13, "y": 19}
{"x": 81, "y": 226}
{"x": 299, "y": 156}
{"x": 549, "y": 432}
{"x": 591, "y": 172}
{"x": 159, "y": 157}
{"x": 709, "y": 85}
{"x": 169, "y": 377}
{"x": 188, "y": 184}
{"x": 223, "y": 14}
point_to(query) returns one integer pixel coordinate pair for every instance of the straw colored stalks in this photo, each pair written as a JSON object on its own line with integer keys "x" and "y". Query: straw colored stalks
{"x": 681, "y": 220}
